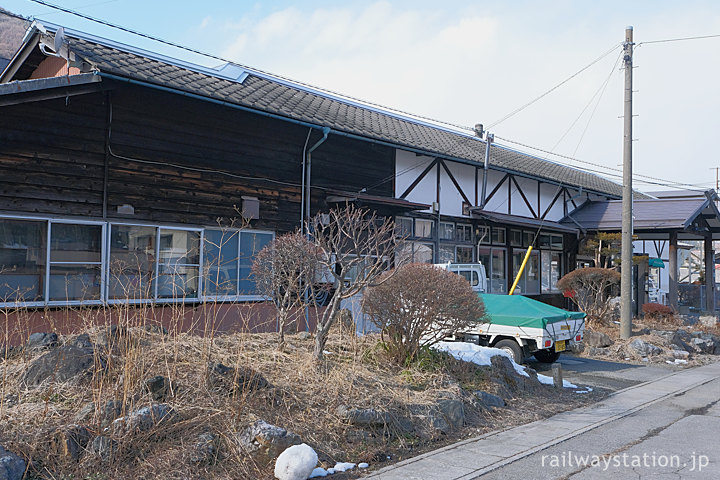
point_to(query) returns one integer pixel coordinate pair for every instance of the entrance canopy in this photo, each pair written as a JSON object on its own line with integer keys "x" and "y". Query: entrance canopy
{"x": 653, "y": 218}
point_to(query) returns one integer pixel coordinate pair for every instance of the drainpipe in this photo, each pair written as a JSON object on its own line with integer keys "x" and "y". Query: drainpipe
{"x": 326, "y": 132}
{"x": 489, "y": 137}
{"x": 305, "y": 207}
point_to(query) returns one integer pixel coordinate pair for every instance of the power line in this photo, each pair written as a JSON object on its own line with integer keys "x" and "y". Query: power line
{"x": 251, "y": 69}
{"x": 681, "y": 39}
{"x": 519, "y": 109}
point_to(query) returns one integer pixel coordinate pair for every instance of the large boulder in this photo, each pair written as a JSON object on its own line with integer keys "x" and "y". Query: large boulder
{"x": 42, "y": 341}
{"x": 72, "y": 360}
{"x": 595, "y": 339}
{"x": 488, "y": 400}
{"x": 12, "y": 467}
{"x": 142, "y": 419}
{"x": 232, "y": 380}
{"x": 205, "y": 448}
{"x": 453, "y": 412}
{"x": 70, "y": 441}
{"x": 262, "y": 440}
{"x": 364, "y": 416}
{"x": 641, "y": 347}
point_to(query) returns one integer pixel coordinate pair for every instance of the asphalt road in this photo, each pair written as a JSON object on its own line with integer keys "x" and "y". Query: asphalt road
{"x": 612, "y": 376}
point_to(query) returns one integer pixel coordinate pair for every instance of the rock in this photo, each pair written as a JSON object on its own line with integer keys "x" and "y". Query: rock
{"x": 703, "y": 345}
{"x": 205, "y": 449}
{"x": 10, "y": 400}
{"x": 264, "y": 440}
{"x": 708, "y": 321}
{"x": 103, "y": 447}
{"x": 682, "y": 340}
{"x": 142, "y": 420}
{"x": 244, "y": 379}
{"x": 596, "y": 352}
{"x": 158, "y": 387}
{"x": 488, "y": 400}
{"x": 156, "y": 329}
{"x": 680, "y": 354}
{"x": 453, "y": 412}
{"x": 82, "y": 342}
{"x": 641, "y": 347}
{"x": 614, "y": 310}
{"x": 304, "y": 335}
{"x": 111, "y": 410}
{"x": 42, "y": 341}
{"x": 364, "y": 416}
{"x": 436, "y": 421}
{"x": 596, "y": 339}
{"x": 64, "y": 363}
{"x": 296, "y": 463}
{"x": 12, "y": 467}
{"x": 70, "y": 441}
{"x": 113, "y": 335}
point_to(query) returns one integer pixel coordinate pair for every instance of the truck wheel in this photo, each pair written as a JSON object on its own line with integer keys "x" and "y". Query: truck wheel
{"x": 512, "y": 347}
{"x": 546, "y": 356}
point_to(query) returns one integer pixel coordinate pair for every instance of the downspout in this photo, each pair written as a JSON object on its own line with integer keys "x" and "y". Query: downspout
{"x": 326, "y": 132}
{"x": 305, "y": 209}
{"x": 302, "y": 188}
{"x": 488, "y": 140}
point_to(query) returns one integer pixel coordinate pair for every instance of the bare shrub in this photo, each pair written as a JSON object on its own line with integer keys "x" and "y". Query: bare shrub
{"x": 419, "y": 305}
{"x": 282, "y": 270}
{"x": 356, "y": 247}
{"x": 589, "y": 288}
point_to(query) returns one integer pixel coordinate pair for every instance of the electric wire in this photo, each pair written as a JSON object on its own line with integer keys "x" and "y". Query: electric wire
{"x": 389, "y": 109}
{"x": 523, "y": 107}
{"x": 680, "y": 39}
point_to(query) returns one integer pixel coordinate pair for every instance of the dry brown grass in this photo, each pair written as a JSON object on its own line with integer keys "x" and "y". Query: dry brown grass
{"x": 304, "y": 399}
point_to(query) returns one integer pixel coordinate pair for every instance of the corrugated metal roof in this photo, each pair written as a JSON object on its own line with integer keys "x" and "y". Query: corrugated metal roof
{"x": 296, "y": 101}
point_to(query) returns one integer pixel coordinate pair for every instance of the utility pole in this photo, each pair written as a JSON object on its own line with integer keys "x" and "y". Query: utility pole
{"x": 627, "y": 229}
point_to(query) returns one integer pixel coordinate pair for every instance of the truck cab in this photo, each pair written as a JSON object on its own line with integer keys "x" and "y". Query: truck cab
{"x": 474, "y": 273}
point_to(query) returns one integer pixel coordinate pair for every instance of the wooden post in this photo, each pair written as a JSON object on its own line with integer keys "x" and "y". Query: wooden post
{"x": 709, "y": 275}
{"x": 557, "y": 375}
{"x": 673, "y": 271}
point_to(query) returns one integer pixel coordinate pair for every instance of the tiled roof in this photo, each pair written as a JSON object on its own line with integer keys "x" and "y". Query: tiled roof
{"x": 278, "y": 97}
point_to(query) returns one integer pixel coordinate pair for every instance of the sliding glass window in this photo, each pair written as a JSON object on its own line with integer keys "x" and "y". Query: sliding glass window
{"x": 23, "y": 258}
{"x": 75, "y": 262}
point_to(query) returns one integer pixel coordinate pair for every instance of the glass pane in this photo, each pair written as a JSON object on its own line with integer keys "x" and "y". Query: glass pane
{"x": 544, "y": 241}
{"x": 516, "y": 238}
{"x": 498, "y": 283}
{"x": 464, "y": 254}
{"x": 179, "y": 247}
{"x": 423, "y": 228}
{"x": 528, "y": 238}
{"x": 557, "y": 242}
{"x": 404, "y": 226}
{"x": 250, "y": 244}
{"x": 555, "y": 269}
{"x": 132, "y": 262}
{"x": 75, "y": 243}
{"x": 498, "y": 236}
{"x": 424, "y": 252}
{"x": 532, "y": 273}
{"x": 221, "y": 262}
{"x": 22, "y": 260}
{"x": 464, "y": 233}
{"x": 483, "y": 234}
{"x": 546, "y": 260}
{"x": 447, "y": 231}
{"x": 177, "y": 281}
{"x": 74, "y": 282}
{"x": 447, "y": 254}
{"x": 518, "y": 256}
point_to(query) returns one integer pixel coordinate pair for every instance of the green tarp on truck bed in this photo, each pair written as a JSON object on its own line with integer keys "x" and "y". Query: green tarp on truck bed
{"x": 519, "y": 311}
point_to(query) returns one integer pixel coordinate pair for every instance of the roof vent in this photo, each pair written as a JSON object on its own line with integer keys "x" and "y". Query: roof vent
{"x": 232, "y": 71}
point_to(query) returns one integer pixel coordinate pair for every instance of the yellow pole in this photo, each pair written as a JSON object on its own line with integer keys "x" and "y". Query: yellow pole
{"x": 520, "y": 272}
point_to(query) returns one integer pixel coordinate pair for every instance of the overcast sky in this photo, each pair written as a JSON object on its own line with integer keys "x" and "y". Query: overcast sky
{"x": 468, "y": 62}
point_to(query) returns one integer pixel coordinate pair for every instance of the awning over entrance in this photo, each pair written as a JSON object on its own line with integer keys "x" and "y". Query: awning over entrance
{"x": 480, "y": 214}
{"x": 383, "y": 204}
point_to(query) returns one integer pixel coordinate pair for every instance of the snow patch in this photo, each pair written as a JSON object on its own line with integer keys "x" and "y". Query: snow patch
{"x": 343, "y": 466}
{"x": 318, "y": 472}
{"x": 295, "y": 463}
{"x": 363, "y": 465}
{"x": 544, "y": 379}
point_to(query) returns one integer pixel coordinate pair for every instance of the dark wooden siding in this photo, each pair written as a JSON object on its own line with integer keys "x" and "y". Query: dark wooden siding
{"x": 167, "y": 152}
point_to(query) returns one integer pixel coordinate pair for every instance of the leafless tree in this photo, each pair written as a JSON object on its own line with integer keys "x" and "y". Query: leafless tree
{"x": 356, "y": 247}
{"x": 589, "y": 288}
{"x": 284, "y": 271}
{"x": 419, "y": 306}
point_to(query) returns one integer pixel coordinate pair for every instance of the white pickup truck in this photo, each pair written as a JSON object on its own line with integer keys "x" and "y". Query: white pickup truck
{"x": 519, "y": 325}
